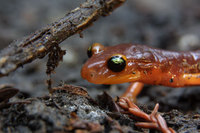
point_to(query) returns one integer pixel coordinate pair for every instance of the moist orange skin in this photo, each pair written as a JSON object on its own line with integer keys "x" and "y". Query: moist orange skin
{"x": 144, "y": 64}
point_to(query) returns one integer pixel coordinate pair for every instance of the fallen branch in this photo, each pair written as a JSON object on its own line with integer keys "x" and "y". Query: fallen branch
{"x": 38, "y": 44}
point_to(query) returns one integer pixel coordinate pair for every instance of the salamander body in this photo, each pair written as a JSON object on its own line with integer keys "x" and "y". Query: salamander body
{"x": 141, "y": 64}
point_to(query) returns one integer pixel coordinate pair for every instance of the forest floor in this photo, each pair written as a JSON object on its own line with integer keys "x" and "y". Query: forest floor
{"x": 75, "y": 104}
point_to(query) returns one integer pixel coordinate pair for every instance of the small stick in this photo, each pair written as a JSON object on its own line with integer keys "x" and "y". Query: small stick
{"x": 37, "y": 45}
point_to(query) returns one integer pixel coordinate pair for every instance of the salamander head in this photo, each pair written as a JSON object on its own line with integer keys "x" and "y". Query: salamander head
{"x": 110, "y": 65}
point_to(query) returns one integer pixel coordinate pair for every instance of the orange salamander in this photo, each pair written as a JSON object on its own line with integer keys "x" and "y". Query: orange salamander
{"x": 141, "y": 64}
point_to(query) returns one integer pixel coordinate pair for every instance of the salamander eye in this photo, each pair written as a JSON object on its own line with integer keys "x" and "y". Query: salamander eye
{"x": 96, "y": 48}
{"x": 117, "y": 63}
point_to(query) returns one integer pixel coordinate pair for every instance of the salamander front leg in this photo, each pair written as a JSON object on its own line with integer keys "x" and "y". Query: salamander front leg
{"x": 133, "y": 90}
{"x": 152, "y": 121}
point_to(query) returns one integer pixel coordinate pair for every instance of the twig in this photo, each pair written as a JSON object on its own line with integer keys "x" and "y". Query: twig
{"x": 38, "y": 44}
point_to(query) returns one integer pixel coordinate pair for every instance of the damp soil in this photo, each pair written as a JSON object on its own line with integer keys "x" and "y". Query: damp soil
{"x": 172, "y": 25}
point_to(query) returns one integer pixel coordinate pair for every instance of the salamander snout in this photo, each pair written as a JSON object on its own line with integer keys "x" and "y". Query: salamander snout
{"x": 89, "y": 74}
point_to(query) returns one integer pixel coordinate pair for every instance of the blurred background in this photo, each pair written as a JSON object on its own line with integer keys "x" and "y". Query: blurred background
{"x": 166, "y": 24}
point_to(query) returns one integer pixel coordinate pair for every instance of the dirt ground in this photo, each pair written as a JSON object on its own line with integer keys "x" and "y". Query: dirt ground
{"x": 166, "y": 24}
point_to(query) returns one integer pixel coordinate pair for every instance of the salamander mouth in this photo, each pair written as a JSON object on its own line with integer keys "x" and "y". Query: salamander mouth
{"x": 111, "y": 79}
{"x": 121, "y": 79}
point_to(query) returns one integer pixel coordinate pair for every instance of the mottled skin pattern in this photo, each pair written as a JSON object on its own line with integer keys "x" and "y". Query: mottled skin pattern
{"x": 144, "y": 64}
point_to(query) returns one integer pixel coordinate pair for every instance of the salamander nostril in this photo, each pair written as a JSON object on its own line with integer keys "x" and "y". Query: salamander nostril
{"x": 91, "y": 75}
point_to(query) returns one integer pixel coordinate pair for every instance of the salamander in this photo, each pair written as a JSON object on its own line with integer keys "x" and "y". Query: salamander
{"x": 140, "y": 64}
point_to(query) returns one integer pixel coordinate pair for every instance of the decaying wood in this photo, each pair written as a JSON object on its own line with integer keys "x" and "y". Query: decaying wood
{"x": 6, "y": 92}
{"x": 38, "y": 44}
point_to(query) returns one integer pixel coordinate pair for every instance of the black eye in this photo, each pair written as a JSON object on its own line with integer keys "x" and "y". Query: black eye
{"x": 96, "y": 48}
{"x": 116, "y": 63}
{"x": 89, "y": 52}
